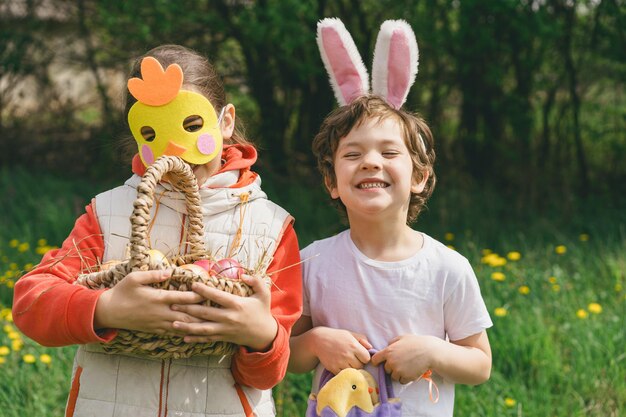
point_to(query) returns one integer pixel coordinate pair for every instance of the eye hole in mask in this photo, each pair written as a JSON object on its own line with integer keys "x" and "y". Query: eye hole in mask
{"x": 148, "y": 133}
{"x": 193, "y": 123}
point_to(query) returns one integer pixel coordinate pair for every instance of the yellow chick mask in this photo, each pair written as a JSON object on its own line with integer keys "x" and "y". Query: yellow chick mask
{"x": 160, "y": 117}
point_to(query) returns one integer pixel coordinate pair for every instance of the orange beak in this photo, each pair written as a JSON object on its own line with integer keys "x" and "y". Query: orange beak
{"x": 173, "y": 149}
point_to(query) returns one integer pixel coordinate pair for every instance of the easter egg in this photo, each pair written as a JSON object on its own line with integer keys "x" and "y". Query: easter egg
{"x": 205, "y": 263}
{"x": 157, "y": 260}
{"x": 196, "y": 269}
{"x": 228, "y": 268}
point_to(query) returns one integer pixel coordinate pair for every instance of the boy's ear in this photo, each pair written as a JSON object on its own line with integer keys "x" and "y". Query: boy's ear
{"x": 418, "y": 187}
{"x": 332, "y": 189}
{"x": 227, "y": 124}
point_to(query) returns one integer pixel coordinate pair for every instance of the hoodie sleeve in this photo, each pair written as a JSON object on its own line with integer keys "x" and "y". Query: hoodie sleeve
{"x": 263, "y": 370}
{"x": 47, "y": 306}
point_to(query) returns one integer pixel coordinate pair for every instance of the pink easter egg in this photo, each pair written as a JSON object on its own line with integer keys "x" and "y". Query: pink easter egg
{"x": 228, "y": 268}
{"x": 205, "y": 263}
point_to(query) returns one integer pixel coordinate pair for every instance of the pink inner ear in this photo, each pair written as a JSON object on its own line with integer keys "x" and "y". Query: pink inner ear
{"x": 345, "y": 73}
{"x": 399, "y": 66}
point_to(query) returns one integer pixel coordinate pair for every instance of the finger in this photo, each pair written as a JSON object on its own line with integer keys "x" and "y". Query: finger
{"x": 379, "y": 357}
{"x": 362, "y": 340}
{"x": 202, "y": 312}
{"x": 256, "y": 282}
{"x": 217, "y": 296}
{"x": 149, "y": 277}
{"x": 203, "y": 328}
{"x": 362, "y": 355}
{"x": 182, "y": 297}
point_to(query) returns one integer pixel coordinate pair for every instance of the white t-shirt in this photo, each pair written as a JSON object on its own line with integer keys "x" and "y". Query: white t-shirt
{"x": 434, "y": 292}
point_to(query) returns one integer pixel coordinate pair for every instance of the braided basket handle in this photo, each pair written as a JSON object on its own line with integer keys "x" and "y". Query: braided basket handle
{"x": 182, "y": 178}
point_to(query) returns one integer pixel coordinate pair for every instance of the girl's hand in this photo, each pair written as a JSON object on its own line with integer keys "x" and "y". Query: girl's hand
{"x": 407, "y": 357}
{"x": 246, "y": 321}
{"x": 134, "y": 305}
{"x": 339, "y": 349}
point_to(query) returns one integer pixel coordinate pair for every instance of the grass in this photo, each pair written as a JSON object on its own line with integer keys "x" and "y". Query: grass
{"x": 559, "y": 310}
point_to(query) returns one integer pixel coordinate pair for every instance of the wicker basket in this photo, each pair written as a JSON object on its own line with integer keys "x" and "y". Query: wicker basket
{"x": 180, "y": 177}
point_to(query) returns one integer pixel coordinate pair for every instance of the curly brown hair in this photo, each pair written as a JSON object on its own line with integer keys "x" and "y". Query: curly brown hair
{"x": 416, "y": 134}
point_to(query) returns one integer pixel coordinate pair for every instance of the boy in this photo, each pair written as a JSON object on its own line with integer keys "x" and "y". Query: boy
{"x": 381, "y": 284}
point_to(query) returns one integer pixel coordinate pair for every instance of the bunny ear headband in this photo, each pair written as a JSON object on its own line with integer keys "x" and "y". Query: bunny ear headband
{"x": 393, "y": 70}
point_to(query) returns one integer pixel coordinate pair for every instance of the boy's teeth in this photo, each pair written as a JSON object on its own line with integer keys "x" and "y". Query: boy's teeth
{"x": 373, "y": 185}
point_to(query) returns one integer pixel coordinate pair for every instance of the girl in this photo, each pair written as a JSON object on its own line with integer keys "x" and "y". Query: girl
{"x": 177, "y": 106}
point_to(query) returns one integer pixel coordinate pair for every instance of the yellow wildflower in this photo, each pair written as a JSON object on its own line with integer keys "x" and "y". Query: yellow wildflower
{"x": 13, "y": 266}
{"x": 560, "y": 250}
{"x": 42, "y": 242}
{"x": 45, "y": 358}
{"x": 524, "y": 290}
{"x": 594, "y": 308}
{"x": 498, "y": 276}
{"x": 582, "y": 313}
{"x": 583, "y": 237}
{"x": 449, "y": 236}
{"x": 4, "y": 313}
{"x": 486, "y": 252}
{"x": 4, "y": 350}
{"x": 8, "y": 328}
{"x": 28, "y": 266}
{"x": 514, "y": 256}
{"x": 9, "y": 274}
{"x": 10, "y": 284}
{"x": 509, "y": 402}
{"x": 14, "y": 335}
{"x": 23, "y": 247}
{"x": 13, "y": 243}
{"x": 2, "y": 360}
{"x": 41, "y": 250}
{"x": 556, "y": 288}
{"x": 17, "y": 345}
{"x": 500, "y": 311}
{"x": 28, "y": 358}
{"x": 618, "y": 287}
{"x": 552, "y": 280}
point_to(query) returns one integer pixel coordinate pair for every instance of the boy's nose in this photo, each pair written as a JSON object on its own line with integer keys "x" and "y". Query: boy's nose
{"x": 370, "y": 162}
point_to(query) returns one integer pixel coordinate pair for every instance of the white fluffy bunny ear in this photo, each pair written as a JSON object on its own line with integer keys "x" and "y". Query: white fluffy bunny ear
{"x": 347, "y": 73}
{"x": 395, "y": 62}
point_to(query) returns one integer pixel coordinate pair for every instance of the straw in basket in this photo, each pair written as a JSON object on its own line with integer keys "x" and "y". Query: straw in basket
{"x": 181, "y": 177}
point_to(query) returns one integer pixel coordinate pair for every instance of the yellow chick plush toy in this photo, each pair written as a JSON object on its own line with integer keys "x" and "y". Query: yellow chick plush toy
{"x": 348, "y": 389}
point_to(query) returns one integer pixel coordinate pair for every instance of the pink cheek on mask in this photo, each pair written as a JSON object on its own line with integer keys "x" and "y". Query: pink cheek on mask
{"x": 147, "y": 154}
{"x": 206, "y": 144}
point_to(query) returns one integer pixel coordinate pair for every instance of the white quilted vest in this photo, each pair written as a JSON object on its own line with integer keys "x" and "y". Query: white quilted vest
{"x": 125, "y": 385}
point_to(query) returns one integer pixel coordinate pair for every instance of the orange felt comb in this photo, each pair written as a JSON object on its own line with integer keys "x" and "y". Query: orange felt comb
{"x": 158, "y": 87}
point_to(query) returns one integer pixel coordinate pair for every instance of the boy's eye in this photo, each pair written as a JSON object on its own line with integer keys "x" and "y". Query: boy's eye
{"x": 193, "y": 123}
{"x": 351, "y": 155}
{"x": 148, "y": 133}
{"x": 390, "y": 154}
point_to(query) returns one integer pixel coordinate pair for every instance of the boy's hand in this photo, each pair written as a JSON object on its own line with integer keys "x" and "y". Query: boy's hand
{"x": 408, "y": 356}
{"x": 133, "y": 304}
{"x": 246, "y": 321}
{"x": 339, "y": 349}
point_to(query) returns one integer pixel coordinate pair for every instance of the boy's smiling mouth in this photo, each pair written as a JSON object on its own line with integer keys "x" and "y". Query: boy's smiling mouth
{"x": 366, "y": 185}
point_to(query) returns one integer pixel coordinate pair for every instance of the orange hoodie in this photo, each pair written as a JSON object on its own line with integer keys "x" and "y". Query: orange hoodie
{"x": 49, "y": 309}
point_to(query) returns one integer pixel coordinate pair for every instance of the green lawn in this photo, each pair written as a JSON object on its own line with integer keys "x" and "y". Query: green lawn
{"x": 553, "y": 283}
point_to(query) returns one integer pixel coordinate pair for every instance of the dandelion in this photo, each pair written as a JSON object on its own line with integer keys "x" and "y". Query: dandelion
{"x": 10, "y": 284}
{"x": 509, "y": 402}
{"x": 23, "y": 247}
{"x": 560, "y": 250}
{"x": 618, "y": 287}
{"x": 28, "y": 266}
{"x": 28, "y": 358}
{"x": 45, "y": 358}
{"x": 552, "y": 280}
{"x": 14, "y": 335}
{"x": 8, "y": 328}
{"x": 17, "y": 345}
{"x": 583, "y": 237}
{"x": 486, "y": 252}
{"x": 13, "y": 266}
{"x": 524, "y": 290}
{"x": 498, "y": 276}
{"x": 556, "y": 288}
{"x": 500, "y": 311}
{"x": 13, "y": 243}
{"x": 5, "y": 312}
{"x": 41, "y": 250}
{"x": 449, "y": 236}
{"x": 594, "y": 308}
{"x": 2, "y": 360}
{"x": 4, "y": 350}
{"x": 582, "y": 313}
{"x": 42, "y": 242}
{"x": 514, "y": 256}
